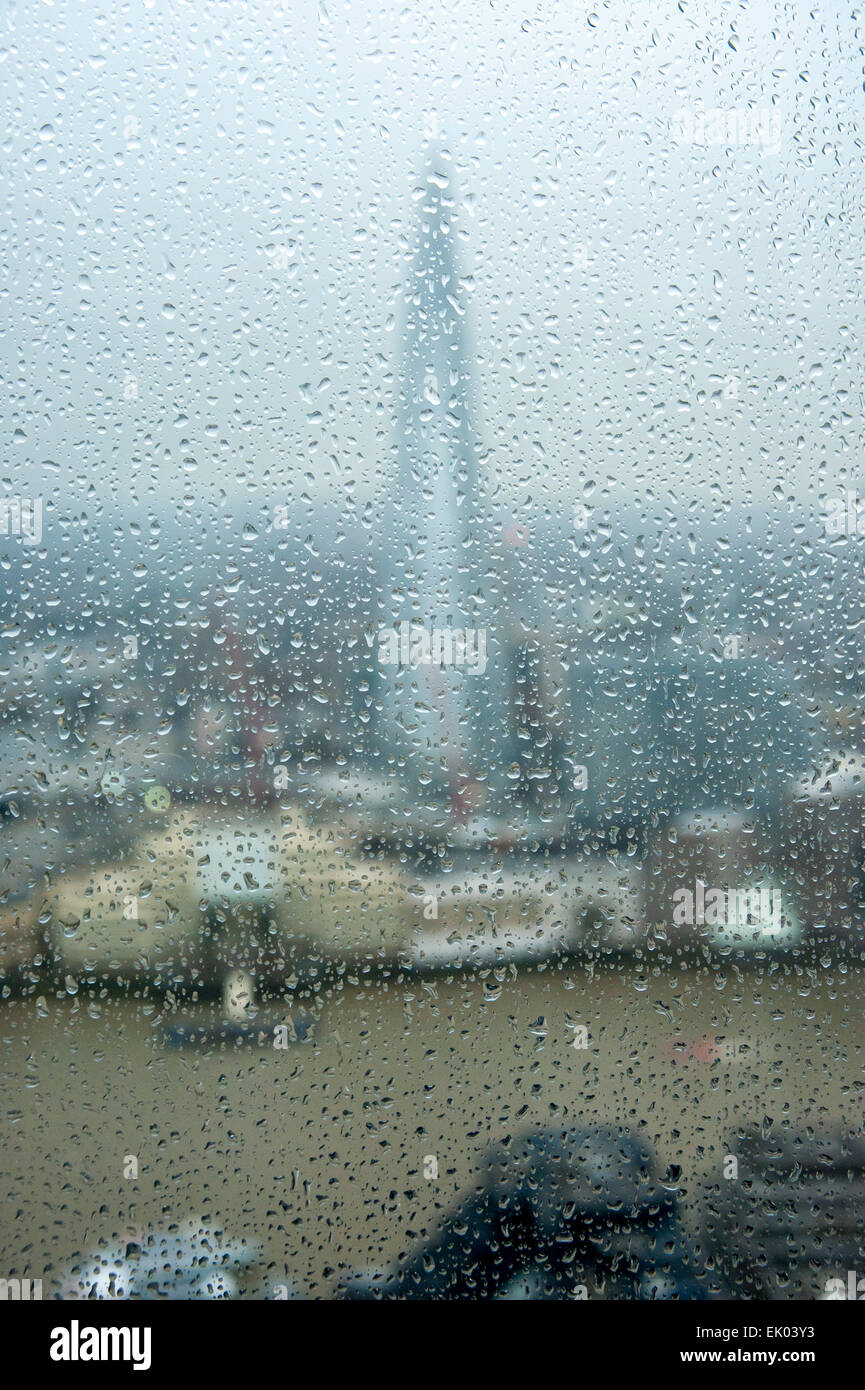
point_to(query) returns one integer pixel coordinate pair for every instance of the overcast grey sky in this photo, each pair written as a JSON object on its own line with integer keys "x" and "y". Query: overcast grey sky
{"x": 211, "y": 207}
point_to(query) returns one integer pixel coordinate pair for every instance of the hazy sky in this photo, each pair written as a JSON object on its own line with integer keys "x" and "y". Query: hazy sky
{"x": 210, "y": 208}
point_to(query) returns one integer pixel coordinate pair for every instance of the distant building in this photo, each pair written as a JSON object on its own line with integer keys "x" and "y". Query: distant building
{"x": 432, "y": 642}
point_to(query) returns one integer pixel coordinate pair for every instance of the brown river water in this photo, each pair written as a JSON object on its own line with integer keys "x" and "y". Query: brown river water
{"x": 317, "y": 1151}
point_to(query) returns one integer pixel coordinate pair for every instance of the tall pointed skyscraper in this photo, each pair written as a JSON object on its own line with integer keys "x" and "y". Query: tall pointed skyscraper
{"x": 434, "y": 662}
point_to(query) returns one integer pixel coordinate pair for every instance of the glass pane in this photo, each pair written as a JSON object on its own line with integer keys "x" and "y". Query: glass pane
{"x": 431, "y": 674}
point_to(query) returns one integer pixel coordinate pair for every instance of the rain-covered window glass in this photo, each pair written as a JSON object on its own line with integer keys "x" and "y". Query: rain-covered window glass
{"x": 432, "y": 762}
